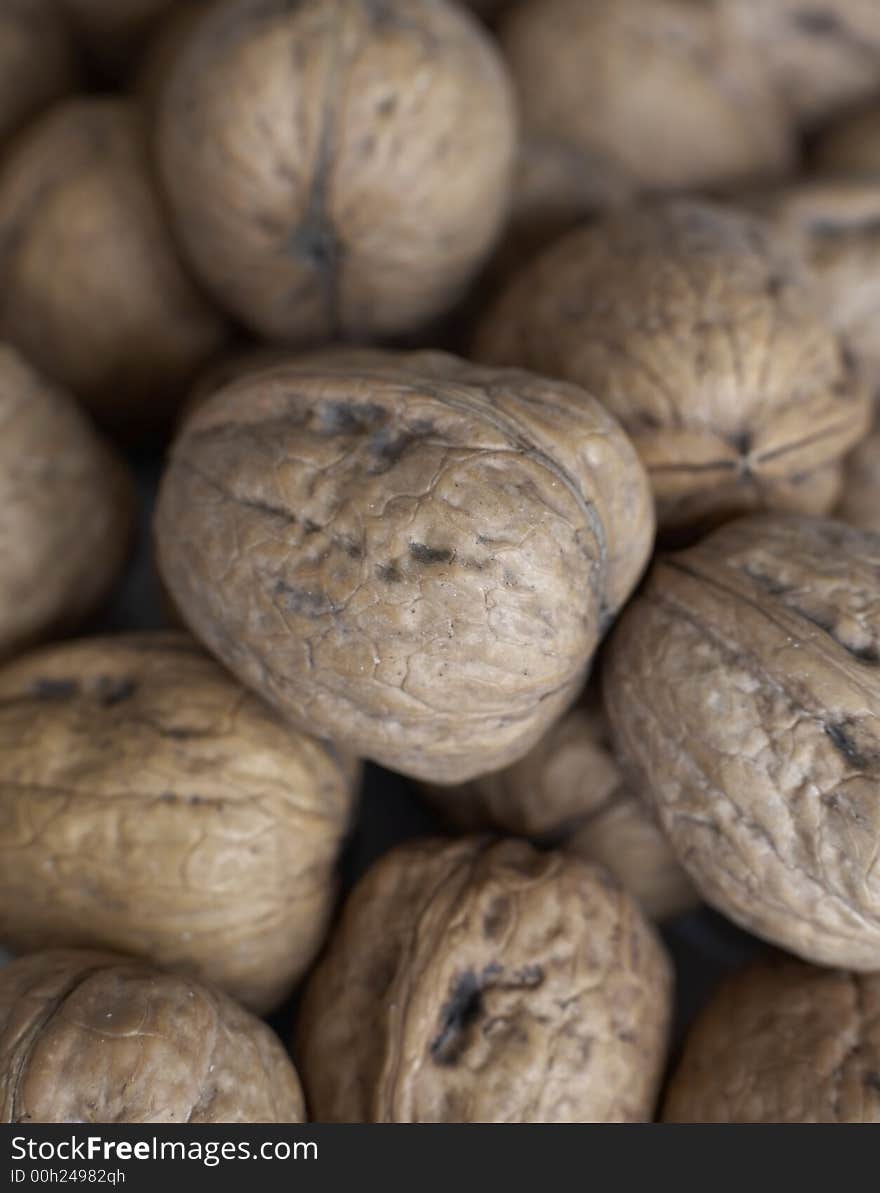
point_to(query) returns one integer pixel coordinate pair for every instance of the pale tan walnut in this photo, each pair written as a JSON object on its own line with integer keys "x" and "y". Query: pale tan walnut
{"x": 336, "y": 168}
{"x": 743, "y": 686}
{"x": 405, "y": 552}
{"x": 703, "y": 335}
{"x": 88, "y": 1037}
{"x": 860, "y": 502}
{"x": 37, "y": 61}
{"x": 569, "y": 791}
{"x": 783, "y": 1042}
{"x": 851, "y": 146}
{"x": 659, "y": 88}
{"x": 66, "y": 509}
{"x": 499, "y": 984}
{"x": 114, "y": 32}
{"x": 834, "y": 224}
{"x": 149, "y": 804}
{"x": 822, "y": 56}
{"x": 93, "y": 291}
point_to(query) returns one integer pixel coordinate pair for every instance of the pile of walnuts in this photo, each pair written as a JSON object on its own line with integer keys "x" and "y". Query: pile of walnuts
{"x": 403, "y": 409}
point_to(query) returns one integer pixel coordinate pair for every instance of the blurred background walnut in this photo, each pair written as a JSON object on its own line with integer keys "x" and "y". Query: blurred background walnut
{"x": 112, "y": 33}
{"x": 66, "y": 509}
{"x": 99, "y": 1038}
{"x": 37, "y": 61}
{"x": 501, "y": 985}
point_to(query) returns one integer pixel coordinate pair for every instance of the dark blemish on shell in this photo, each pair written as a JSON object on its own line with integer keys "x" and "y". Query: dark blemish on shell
{"x": 459, "y": 1014}
{"x": 496, "y": 917}
{"x": 310, "y": 527}
{"x": 265, "y": 507}
{"x": 351, "y": 418}
{"x": 742, "y": 442}
{"x": 389, "y": 572}
{"x": 422, "y": 553}
{"x": 769, "y": 583}
{"x": 113, "y": 690}
{"x": 817, "y": 22}
{"x": 56, "y": 689}
{"x": 305, "y": 602}
{"x": 839, "y": 736}
{"x": 871, "y": 1081}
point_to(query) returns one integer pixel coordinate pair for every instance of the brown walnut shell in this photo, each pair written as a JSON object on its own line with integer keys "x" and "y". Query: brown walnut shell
{"x": 703, "y": 336}
{"x": 90, "y": 1037}
{"x": 336, "y": 168}
{"x": 783, "y": 1042}
{"x": 850, "y": 147}
{"x": 405, "y": 552}
{"x": 93, "y": 291}
{"x": 499, "y": 985}
{"x": 66, "y": 509}
{"x": 37, "y": 61}
{"x": 658, "y": 88}
{"x": 151, "y": 805}
{"x": 743, "y": 686}
{"x": 569, "y": 791}
{"x": 860, "y": 502}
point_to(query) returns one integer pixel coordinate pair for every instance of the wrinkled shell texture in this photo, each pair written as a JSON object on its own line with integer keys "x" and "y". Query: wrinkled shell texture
{"x": 783, "y": 1042}
{"x": 821, "y": 55}
{"x": 406, "y": 553}
{"x": 860, "y": 503}
{"x": 500, "y": 985}
{"x": 743, "y": 686}
{"x": 337, "y": 168}
{"x": 568, "y": 790}
{"x": 850, "y": 147}
{"x": 701, "y": 334}
{"x": 656, "y": 87}
{"x": 150, "y": 804}
{"x": 37, "y": 62}
{"x": 65, "y": 518}
{"x": 93, "y": 291}
{"x": 96, "y": 1038}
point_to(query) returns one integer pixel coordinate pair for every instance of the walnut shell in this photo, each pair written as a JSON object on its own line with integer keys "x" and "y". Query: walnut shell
{"x": 860, "y": 502}
{"x": 406, "y": 553}
{"x": 96, "y": 1038}
{"x": 783, "y": 1042}
{"x": 743, "y": 686}
{"x": 569, "y": 791}
{"x": 37, "y": 61}
{"x": 336, "y": 168}
{"x": 851, "y": 146}
{"x": 149, "y": 804}
{"x": 821, "y": 55}
{"x": 500, "y": 985}
{"x": 93, "y": 291}
{"x": 656, "y": 87}
{"x": 702, "y": 335}
{"x": 66, "y": 509}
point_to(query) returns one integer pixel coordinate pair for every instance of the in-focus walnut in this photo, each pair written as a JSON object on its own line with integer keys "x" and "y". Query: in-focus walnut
{"x": 91, "y": 1037}
{"x": 821, "y": 55}
{"x": 405, "y": 552}
{"x": 37, "y": 60}
{"x": 568, "y": 791}
{"x": 66, "y": 509}
{"x": 336, "y": 168}
{"x": 743, "y": 683}
{"x": 657, "y": 88}
{"x": 783, "y": 1042}
{"x": 704, "y": 337}
{"x": 149, "y": 804}
{"x": 113, "y": 32}
{"x": 500, "y": 985}
{"x": 92, "y": 289}
{"x": 860, "y": 502}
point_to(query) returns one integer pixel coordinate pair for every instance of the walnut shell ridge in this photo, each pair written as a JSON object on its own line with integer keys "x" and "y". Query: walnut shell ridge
{"x": 89, "y": 1037}
{"x": 500, "y": 985}
{"x": 405, "y": 553}
{"x": 336, "y": 169}
{"x": 783, "y": 1042}
{"x": 702, "y": 334}
{"x": 66, "y": 515}
{"x": 742, "y": 685}
{"x": 151, "y": 805}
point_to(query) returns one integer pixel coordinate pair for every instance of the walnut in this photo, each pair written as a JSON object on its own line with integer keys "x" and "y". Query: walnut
{"x": 860, "y": 503}
{"x": 850, "y": 147}
{"x": 336, "y": 168}
{"x": 703, "y": 336}
{"x": 93, "y": 291}
{"x": 91, "y": 1037}
{"x": 783, "y": 1042}
{"x": 821, "y": 55}
{"x": 500, "y": 985}
{"x": 658, "y": 88}
{"x": 406, "y": 553}
{"x": 149, "y": 804}
{"x": 66, "y": 509}
{"x": 569, "y": 791}
{"x": 743, "y": 686}
{"x": 37, "y": 61}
